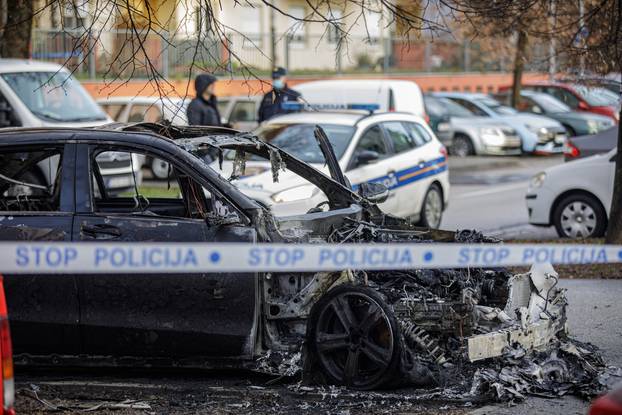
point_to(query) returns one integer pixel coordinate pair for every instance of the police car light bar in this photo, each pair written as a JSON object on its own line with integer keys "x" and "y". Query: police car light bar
{"x": 299, "y": 106}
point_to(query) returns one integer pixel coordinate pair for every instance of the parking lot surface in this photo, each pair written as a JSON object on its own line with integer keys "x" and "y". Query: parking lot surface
{"x": 488, "y": 194}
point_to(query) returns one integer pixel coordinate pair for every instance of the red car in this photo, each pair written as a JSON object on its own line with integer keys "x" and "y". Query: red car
{"x": 579, "y": 97}
{"x": 7, "y": 388}
{"x": 610, "y": 404}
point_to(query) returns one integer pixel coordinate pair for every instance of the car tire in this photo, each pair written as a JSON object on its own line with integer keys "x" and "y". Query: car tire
{"x": 580, "y": 216}
{"x": 159, "y": 168}
{"x": 462, "y": 146}
{"x": 432, "y": 208}
{"x": 355, "y": 338}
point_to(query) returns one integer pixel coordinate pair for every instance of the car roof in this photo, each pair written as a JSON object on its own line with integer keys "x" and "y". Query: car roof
{"x": 353, "y": 83}
{"x": 465, "y": 95}
{"x": 340, "y": 118}
{"x": 26, "y": 65}
{"x": 324, "y": 117}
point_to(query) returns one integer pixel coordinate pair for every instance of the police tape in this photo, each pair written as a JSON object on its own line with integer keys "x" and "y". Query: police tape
{"x": 36, "y": 257}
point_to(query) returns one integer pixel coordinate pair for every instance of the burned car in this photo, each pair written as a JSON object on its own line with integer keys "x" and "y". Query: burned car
{"x": 365, "y": 330}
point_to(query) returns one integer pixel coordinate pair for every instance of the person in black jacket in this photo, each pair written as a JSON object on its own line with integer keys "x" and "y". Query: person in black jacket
{"x": 272, "y": 102}
{"x": 203, "y": 109}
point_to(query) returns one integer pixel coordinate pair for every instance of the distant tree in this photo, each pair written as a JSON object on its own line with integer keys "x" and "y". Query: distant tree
{"x": 15, "y": 28}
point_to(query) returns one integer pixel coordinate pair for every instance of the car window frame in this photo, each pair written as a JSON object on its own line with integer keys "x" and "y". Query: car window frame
{"x": 243, "y": 101}
{"x": 67, "y": 181}
{"x": 394, "y": 152}
{"x": 356, "y": 141}
{"x": 86, "y": 152}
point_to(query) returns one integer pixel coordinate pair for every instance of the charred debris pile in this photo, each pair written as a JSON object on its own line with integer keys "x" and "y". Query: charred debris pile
{"x": 481, "y": 334}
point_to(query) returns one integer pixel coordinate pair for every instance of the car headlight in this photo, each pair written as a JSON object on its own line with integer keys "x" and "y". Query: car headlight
{"x": 537, "y": 181}
{"x": 294, "y": 193}
{"x": 592, "y": 127}
{"x": 443, "y": 126}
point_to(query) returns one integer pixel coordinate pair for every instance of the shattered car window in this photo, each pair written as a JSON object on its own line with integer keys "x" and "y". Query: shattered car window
{"x": 29, "y": 180}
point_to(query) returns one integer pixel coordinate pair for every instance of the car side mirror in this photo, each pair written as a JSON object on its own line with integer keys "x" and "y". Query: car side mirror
{"x": 374, "y": 192}
{"x": 366, "y": 157}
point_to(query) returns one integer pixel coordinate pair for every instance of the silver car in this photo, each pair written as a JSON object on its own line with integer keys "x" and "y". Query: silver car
{"x": 467, "y": 134}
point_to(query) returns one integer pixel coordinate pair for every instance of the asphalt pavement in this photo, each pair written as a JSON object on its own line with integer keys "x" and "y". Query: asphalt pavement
{"x": 488, "y": 194}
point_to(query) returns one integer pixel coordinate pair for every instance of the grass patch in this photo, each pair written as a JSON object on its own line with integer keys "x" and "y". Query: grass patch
{"x": 154, "y": 191}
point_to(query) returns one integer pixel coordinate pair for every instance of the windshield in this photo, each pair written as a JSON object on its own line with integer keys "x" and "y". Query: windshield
{"x": 440, "y": 107}
{"x": 496, "y": 106}
{"x": 597, "y": 97}
{"x": 550, "y": 104}
{"x": 298, "y": 139}
{"x": 54, "y": 96}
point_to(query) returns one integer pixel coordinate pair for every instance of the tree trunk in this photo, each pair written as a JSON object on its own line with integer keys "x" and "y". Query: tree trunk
{"x": 15, "y": 41}
{"x": 519, "y": 64}
{"x": 614, "y": 229}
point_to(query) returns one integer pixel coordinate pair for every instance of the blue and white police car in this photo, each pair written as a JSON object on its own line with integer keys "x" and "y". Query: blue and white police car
{"x": 396, "y": 149}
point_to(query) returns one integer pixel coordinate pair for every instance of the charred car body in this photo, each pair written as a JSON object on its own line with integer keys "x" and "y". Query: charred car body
{"x": 363, "y": 330}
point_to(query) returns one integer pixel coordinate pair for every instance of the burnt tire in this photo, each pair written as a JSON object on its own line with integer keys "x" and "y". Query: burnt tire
{"x": 462, "y": 146}
{"x": 354, "y": 338}
{"x": 580, "y": 216}
{"x": 432, "y": 209}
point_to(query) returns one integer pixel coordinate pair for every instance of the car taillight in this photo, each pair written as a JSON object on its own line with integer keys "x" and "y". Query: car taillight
{"x": 426, "y": 117}
{"x": 6, "y": 357}
{"x": 570, "y": 150}
{"x": 443, "y": 151}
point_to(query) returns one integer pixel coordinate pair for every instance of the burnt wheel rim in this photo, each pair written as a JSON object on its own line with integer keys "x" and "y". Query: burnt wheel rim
{"x": 354, "y": 340}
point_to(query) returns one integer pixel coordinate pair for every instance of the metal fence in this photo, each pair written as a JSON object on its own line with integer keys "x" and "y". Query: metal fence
{"x": 119, "y": 54}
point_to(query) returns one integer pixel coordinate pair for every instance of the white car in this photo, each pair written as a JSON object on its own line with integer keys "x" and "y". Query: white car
{"x": 575, "y": 197}
{"x": 396, "y": 149}
{"x": 146, "y": 109}
{"x": 388, "y": 94}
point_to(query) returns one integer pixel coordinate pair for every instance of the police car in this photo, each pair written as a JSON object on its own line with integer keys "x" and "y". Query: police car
{"x": 396, "y": 149}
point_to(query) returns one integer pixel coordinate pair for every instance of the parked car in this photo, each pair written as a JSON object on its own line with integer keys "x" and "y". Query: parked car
{"x": 40, "y": 94}
{"x": 7, "y": 386}
{"x": 240, "y": 112}
{"x": 538, "y": 134}
{"x": 146, "y": 109}
{"x": 389, "y": 95}
{"x": 359, "y": 329}
{"x": 574, "y": 197}
{"x": 575, "y": 122}
{"x": 396, "y": 149}
{"x": 465, "y": 133}
{"x": 589, "y": 145}
{"x": 579, "y": 97}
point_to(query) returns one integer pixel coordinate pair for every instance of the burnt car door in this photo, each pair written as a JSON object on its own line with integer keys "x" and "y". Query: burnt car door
{"x": 161, "y": 314}
{"x": 36, "y": 203}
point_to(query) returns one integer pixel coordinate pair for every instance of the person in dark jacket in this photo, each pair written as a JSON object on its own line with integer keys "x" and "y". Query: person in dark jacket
{"x": 272, "y": 102}
{"x": 203, "y": 109}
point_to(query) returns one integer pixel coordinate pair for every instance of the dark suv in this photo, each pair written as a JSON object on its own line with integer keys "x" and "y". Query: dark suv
{"x": 356, "y": 328}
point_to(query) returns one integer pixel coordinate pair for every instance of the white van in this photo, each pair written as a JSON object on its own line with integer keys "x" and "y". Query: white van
{"x": 390, "y": 95}
{"x": 41, "y": 95}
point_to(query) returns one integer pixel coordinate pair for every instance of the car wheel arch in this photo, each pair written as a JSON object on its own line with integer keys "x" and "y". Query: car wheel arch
{"x": 572, "y": 192}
